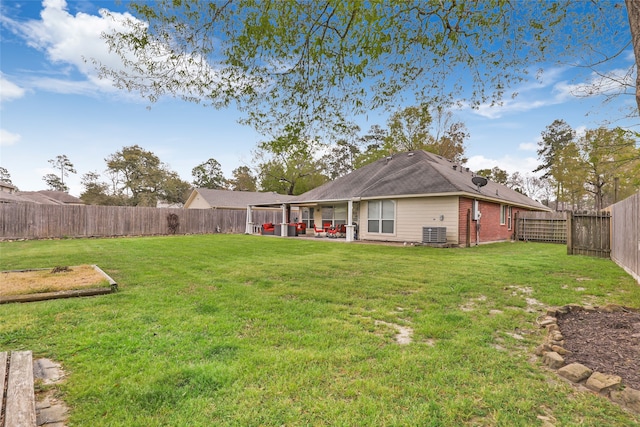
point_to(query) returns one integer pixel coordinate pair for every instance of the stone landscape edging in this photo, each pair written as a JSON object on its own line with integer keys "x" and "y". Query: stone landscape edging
{"x": 552, "y": 350}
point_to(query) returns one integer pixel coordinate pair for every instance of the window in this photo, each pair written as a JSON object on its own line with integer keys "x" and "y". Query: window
{"x": 334, "y": 215}
{"x": 327, "y": 215}
{"x": 509, "y": 215}
{"x": 340, "y": 215}
{"x": 307, "y": 217}
{"x": 503, "y": 214}
{"x": 381, "y": 216}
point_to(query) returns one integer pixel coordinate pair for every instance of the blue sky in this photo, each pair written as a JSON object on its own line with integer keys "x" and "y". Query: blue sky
{"x": 52, "y": 103}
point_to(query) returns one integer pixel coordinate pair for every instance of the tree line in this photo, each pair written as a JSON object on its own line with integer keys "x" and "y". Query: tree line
{"x": 590, "y": 169}
{"x": 290, "y": 163}
{"x": 577, "y": 171}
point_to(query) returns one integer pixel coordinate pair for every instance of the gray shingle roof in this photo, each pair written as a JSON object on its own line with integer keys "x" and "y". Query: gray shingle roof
{"x": 413, "y": 174}
{"x": 240, "y": 199}
{"x": 49, "y": 197}
{"x": 61, "y": 196}
{"x": 12, "y": 198}
{"x": 43, "y": 197}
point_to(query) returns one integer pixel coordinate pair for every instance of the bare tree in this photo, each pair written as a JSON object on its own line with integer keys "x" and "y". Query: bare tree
{"x": 65, "y": 166}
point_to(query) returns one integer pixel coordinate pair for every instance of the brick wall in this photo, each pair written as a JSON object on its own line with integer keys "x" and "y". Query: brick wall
{"x": 464, "y": 211}
{"x": 490, "y": 228}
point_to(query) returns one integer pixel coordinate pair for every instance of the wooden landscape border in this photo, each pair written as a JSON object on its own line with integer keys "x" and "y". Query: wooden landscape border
{"x": 113, "y": 287}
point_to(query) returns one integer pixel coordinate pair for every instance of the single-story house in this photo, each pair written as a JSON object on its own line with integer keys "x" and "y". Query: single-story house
{"x": 9, "y": 194}
{"x": 414, "y": 197}
{"x": 51, "y": 197}
{"x": 205, "y": 198}
{"x": 6, "y": 187}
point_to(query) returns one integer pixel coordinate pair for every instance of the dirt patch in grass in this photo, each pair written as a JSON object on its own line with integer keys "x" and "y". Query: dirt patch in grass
{"x": 46, "y": 280}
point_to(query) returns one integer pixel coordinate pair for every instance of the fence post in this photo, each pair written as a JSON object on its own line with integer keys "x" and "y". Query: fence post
{"x": 570, "y": 233}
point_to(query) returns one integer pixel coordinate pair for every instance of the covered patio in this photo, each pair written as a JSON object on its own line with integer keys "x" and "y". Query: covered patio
{"x": 336, "y": 218}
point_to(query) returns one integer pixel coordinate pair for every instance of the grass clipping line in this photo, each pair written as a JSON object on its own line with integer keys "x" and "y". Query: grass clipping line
{"x": 28, "y": 282}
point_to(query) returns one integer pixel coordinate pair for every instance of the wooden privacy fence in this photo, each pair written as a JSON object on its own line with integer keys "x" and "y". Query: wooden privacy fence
{"x": 625, "y": 235}
{"x": 550, "y": 227}
{"x": 614, "y": 234}
{"x": 589, "y": 234}
{"x": 584, "y": 233}
{"x": 34, "y": 221}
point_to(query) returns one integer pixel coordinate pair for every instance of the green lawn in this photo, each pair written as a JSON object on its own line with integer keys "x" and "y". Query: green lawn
{"x": 249, "y": 331}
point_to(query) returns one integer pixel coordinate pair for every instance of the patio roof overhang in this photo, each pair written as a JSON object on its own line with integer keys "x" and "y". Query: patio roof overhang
{"x": 286, "y": 205}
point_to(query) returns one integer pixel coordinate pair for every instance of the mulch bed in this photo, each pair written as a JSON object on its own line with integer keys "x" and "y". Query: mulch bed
{"x": 605, "y": 342}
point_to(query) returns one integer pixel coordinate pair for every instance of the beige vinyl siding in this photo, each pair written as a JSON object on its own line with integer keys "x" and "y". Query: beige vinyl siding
{"x": 199, "y": 202}
{"x": 412, "y": 215}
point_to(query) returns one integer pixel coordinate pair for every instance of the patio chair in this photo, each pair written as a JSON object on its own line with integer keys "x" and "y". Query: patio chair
{"x": 337, "y": 231}
{"x": 268, "y": 229}
{"x": 320, "y": 232}
{"x": 301, "y": 227}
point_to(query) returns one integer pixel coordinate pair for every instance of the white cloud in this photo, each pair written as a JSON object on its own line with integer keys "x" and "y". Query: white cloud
{"x": 510, "y": 106}
{"x": 544, "y": 78}
{"x": 630, "y": 56}
{"x": 63, "y": 86}
{"x": 526, "y": 95}
{"x": 528, "y": 146}
{"x": 509, "y": 163}
{"x": 548, "y": 90}
{"x": 8, "y": 138}
{"x": 608, "y": 83}
{"x": 76, "y": 40}
{"x": 9, "y": 90}
{"x": 72, "y": 42}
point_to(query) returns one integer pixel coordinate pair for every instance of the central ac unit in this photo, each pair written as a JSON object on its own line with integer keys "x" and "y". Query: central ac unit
{"x": 434, "y": 234}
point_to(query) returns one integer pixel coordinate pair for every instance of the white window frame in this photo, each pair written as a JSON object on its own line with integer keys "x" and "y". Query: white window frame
{"x": 307, "y": 216}
{"x": 340, "y": 218}
{"x": 379, "y": 217}
{"x": 503, "y": 214}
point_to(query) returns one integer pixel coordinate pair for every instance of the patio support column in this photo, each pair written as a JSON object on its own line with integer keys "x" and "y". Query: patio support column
{"x": 249, "y": 228}
{"x": 350, "y": 226}
{"x": 283, "y": 226}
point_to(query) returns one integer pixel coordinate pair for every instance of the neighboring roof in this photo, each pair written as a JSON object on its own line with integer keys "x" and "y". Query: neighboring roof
{"x": 6, "y": 197}
{"x": 62, "y": 197}
{"x": 43, "y": 197}
{"x": 4, "y": 185}
{"x": 416, "y": 173}
{"x": 238, "y": 199}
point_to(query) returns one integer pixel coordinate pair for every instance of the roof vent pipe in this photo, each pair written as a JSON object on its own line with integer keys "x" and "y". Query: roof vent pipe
{"x": 454, "y": 167}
